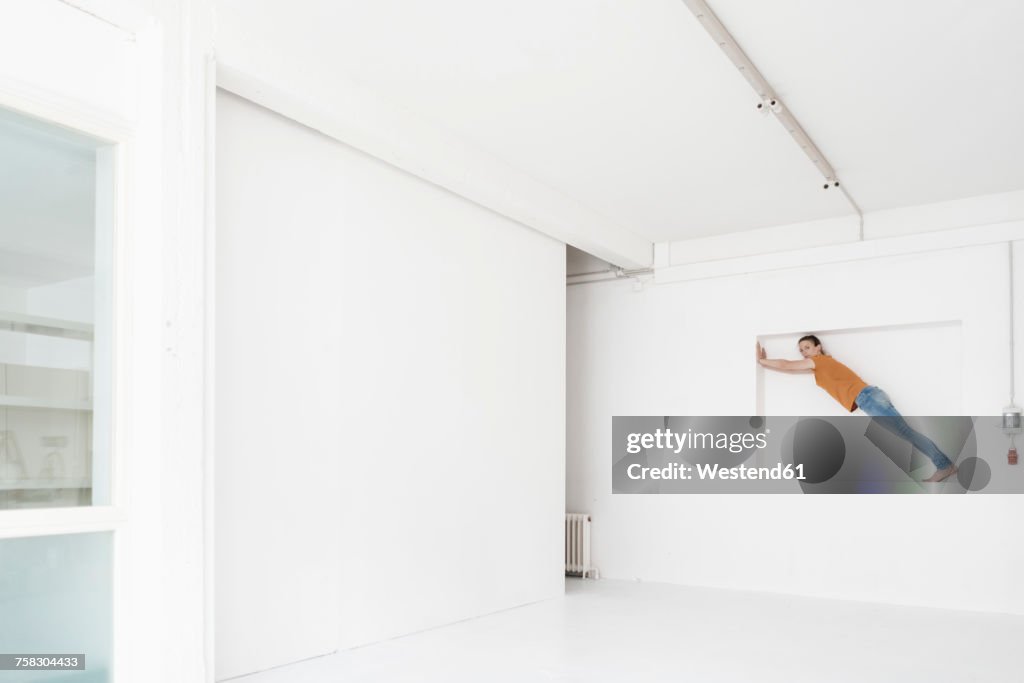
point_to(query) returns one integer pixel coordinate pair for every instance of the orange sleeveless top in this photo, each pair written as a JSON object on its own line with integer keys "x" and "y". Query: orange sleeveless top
{"x": 839, "y": 381}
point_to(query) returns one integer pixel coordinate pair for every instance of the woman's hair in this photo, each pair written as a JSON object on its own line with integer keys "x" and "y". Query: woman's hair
{"x": 811, "y": 338}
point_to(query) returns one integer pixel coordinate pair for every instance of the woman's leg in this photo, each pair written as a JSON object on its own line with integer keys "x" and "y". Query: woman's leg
{"x": 876, "y": 403}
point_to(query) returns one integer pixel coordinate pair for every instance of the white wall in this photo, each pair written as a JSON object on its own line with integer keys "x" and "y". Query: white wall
{"x": 688, "y": 348}
{"x": 390, "y": 400}
{"x": 68, "y": 300}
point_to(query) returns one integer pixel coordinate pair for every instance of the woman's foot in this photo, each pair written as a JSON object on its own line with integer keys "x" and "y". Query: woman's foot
{"x": 942, "y": 474}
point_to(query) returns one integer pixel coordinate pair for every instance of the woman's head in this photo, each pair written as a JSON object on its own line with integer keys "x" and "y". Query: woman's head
{"x": 810, "y": 346}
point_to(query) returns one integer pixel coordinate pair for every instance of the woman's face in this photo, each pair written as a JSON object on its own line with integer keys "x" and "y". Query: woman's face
{"x": 809, "y": 349}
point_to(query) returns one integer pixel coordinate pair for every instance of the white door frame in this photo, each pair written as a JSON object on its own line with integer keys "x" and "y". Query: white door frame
{"x": 149, "y": 95}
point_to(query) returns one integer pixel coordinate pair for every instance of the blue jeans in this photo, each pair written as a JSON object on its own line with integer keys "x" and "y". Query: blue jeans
{"x": 876, "y": 403}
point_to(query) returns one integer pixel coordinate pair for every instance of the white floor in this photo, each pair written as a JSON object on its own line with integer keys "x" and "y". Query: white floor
{"x": 624, "y": 631}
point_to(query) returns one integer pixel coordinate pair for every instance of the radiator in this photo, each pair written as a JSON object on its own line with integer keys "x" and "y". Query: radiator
{"x": 577, "y": 545}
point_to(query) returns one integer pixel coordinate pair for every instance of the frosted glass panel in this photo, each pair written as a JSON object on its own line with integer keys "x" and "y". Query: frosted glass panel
{"x": 56, "y": 594}
{"x": 56, "y": 223}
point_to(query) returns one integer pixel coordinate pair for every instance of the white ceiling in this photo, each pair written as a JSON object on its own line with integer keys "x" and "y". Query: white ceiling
{"x": 917, "y": 101}
{"x": 631, "y": 109}
{"x": 47, "y": 195}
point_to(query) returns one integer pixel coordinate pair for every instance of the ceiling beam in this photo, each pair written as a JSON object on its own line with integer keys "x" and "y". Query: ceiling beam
{"x": 341, "y": 108}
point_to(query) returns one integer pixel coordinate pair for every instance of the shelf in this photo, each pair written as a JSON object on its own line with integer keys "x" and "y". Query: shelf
{"x": 52, "y": 327}
{"x": 26, "y": 484}
{"x": 29, "y": 402}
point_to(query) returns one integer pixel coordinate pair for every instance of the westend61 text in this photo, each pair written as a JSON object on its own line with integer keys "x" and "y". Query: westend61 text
{"x": 681, "y": 471}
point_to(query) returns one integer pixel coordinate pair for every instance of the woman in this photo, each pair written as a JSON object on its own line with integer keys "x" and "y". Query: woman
{"x": 852, "y": 392}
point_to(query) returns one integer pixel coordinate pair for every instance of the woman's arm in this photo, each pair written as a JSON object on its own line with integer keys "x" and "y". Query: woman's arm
{"x": 791, "y": 365}
{"x": 779, "y": 364}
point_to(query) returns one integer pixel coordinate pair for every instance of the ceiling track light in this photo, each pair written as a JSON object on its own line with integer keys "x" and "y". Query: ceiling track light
{"x": 769, "y": 100}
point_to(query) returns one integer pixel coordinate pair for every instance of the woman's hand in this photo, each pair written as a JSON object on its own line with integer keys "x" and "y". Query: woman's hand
{"x": 779, "y": 364}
